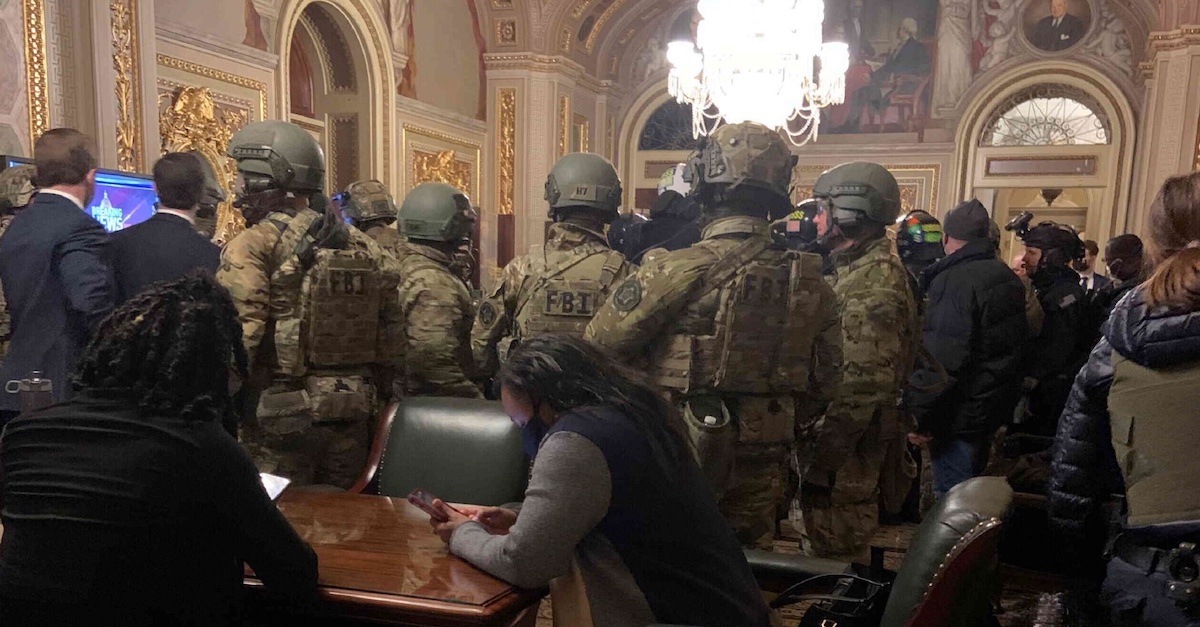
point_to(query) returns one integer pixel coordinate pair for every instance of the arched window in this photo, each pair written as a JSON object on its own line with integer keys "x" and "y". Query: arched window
{"x": 1047, "y": 115}
{"x": 668, "y": 128}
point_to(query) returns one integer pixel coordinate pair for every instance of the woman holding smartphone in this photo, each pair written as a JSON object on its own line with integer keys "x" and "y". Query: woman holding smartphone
{"x": 617, "y": 513}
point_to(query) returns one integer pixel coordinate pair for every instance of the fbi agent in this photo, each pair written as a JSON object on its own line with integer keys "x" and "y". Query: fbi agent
{"x": 742, "y": 334}
{"x": 559, "y": 288}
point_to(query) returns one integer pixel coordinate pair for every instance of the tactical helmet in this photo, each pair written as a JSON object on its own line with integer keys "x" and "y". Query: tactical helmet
{"x": 919, "y": 237}
{"x": 213, "y": 193}
{"x": 365, "y": 201}
{"x": 16, "y": 186}
{"x": 1059, "y": 243}
{"x": 859, "y": 191}
{"x": 743, "y": 154}
{"x": 583, "y": 179}
{"x": 436, "y": 212}
{"x": 278, "y": 155}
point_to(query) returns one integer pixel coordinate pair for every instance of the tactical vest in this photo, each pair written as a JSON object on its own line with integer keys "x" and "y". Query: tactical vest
{"x": 1154, "y": 434}
{"x": 749, "y": 328}
{"x": 326, "y": 308}
{"x": 564, "y": 289}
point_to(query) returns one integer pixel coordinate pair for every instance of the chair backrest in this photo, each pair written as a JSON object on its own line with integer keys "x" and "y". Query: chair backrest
{"x": 460, "y": 450}
{"x": 949, "y": 574}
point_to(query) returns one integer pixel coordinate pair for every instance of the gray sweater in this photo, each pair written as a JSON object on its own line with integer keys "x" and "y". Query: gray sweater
{"x": 568, "y": 496}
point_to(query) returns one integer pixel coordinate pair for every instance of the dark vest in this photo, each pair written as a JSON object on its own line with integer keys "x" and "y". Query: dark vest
{"x": 668, "y": 531}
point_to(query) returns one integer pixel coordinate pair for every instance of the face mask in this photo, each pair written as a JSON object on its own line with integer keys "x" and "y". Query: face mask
{"x": 532, "y": 434}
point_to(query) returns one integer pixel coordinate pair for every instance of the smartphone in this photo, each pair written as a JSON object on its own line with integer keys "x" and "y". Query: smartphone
{"x": 424, "y": 500}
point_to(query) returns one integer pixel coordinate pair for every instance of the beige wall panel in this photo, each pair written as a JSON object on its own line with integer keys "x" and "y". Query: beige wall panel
{"x": 446, "y": 57}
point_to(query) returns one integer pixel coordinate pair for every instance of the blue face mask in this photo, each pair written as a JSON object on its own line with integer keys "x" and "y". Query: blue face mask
{"x": 533, "y": 432}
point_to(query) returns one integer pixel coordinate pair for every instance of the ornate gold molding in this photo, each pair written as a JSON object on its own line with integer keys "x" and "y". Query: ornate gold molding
{"x": 192, "y": 121}
{"x": 604, "y": 17}
{"x": 33, "y": 13}
{"x": 458, "y": 141}
{"x": 224, "y": 77}
{"x": 429, "y": 161}
{"x": 583, "y": 126}
{"x": 506, "y": 148}
{"x": 442, "y": 167}
{"x": 564, "y": 125}
{"x": 580, "y": 7}
{"x": 127, "y": 85}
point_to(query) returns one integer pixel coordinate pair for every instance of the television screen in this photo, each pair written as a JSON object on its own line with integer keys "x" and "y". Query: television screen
{"x": 122, "y": 199}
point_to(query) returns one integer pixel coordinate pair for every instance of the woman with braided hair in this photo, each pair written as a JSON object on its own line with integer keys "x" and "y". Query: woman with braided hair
{"x": 130, "y": 504}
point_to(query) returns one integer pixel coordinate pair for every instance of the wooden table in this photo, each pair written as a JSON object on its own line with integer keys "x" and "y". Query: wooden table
{"x": 380, "y": 563}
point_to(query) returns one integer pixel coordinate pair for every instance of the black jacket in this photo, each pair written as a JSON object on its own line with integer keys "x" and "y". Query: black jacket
{"x": 163, "y": 248}
{"x": 54, "y": 266}
{"x": 1061, "y": 348}
{"x": 975, "y": 327}
{"x": 1085, "y": 469}
{"x": 128, "y": 519}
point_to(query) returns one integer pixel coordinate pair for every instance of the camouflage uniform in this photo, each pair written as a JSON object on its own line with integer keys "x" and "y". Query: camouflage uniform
{"x": 323, "y": 366}
{"x": 554, "y": 290}
{"x": 437, "y": 313}
{"x": 387, "y": 237}
{"x": 862, "y": 427}
{"x": 708, "y": 348}
{"x": 15, "y": 192}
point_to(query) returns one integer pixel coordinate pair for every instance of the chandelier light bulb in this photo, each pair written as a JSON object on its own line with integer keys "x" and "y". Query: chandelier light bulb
{"x": 756, "y": 62}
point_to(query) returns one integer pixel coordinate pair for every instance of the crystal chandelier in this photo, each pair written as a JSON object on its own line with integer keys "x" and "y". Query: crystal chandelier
{"x": 757, "y": 61}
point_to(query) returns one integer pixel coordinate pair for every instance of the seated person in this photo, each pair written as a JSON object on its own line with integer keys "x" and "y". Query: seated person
{"x": 130, "y": 504}
{"x": 615, "y": 500}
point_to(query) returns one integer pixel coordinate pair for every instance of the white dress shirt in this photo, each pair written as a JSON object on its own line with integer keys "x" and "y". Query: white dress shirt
{"x": 70, "y": 197}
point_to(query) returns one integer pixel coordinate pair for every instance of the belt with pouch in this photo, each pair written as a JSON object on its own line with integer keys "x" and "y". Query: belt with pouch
{"x": 1181, "y": 565}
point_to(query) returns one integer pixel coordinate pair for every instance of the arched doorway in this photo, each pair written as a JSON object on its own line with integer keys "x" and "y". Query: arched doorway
{"x": 336, "y": 81}
{"x": 1053, "y": 139}
{"x": 656, "y": 134}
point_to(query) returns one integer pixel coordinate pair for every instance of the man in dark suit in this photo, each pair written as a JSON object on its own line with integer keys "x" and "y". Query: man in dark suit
{"x": 858, "y": 40}
{"x": 167, "y": 246}
{"x": 54, "y": 268}
{"x": 908, "y": 58}
{"x": 1059, "y": 30}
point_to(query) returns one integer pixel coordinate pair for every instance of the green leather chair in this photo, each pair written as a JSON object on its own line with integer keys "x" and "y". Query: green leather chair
{"x": 460, "y": 450}
{"x": 949, "y": 576}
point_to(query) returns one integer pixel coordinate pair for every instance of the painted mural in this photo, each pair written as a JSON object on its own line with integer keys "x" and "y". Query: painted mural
{"x": 913, "y": 61}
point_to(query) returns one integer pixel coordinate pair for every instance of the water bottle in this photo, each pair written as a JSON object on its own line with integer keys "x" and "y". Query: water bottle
{"x": 35, "y": 392}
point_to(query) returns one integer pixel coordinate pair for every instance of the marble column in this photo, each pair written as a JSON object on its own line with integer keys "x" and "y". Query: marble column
{"x": 1169, "y": 143}
{"x": 532, "y": 103}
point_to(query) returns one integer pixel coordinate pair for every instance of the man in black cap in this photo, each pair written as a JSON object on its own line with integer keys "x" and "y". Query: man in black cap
{"x": 974, "y": 331}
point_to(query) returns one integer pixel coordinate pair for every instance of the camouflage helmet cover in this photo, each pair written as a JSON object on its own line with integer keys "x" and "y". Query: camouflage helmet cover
{"x": 747, "y": 153}
{"x": 861, "y": 187}
{"x": 364, "y": 201}
{"x": 16, "y": 186}
{"x": 284, "y": 154}
{"x": 436, "y": 212}
{"x": 584, "y": 179}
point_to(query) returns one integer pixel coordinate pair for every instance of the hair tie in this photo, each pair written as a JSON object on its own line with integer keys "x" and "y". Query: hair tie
{"x": 1193, "y": 244}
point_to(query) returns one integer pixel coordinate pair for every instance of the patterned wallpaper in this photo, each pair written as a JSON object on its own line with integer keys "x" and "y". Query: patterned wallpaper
{"x": 14, "y": 104}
